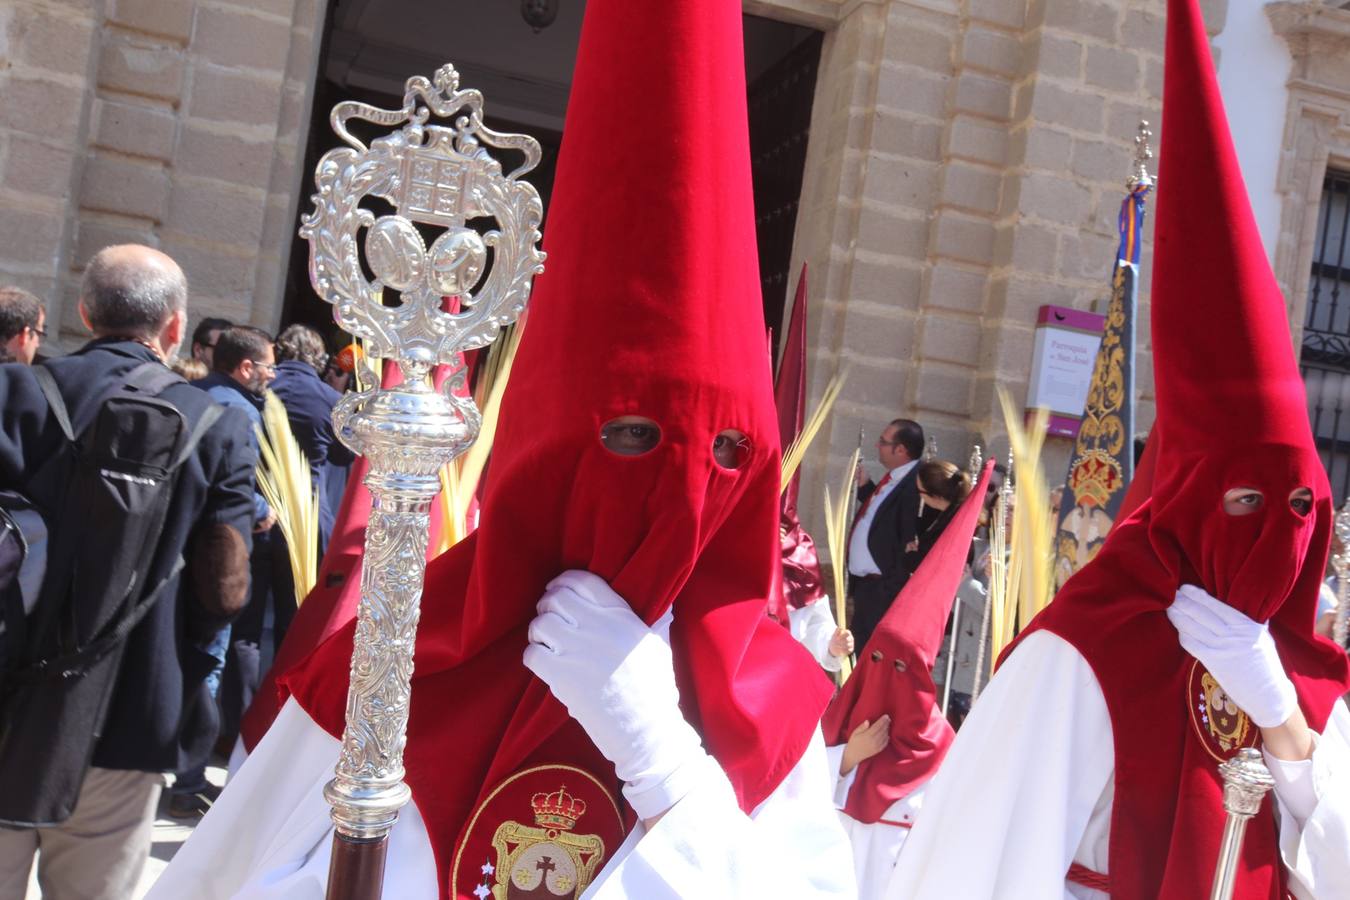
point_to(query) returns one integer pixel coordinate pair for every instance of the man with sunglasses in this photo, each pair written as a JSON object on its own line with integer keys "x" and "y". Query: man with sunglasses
{"x": 22, "y": 319}
{"x": 886, "y": 523}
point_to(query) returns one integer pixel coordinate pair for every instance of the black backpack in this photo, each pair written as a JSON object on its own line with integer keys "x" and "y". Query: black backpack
{"x": 105, "y": 495}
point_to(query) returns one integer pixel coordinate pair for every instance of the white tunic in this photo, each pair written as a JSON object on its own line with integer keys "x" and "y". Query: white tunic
{"x": 1027, "y": 789}
{"x": 875, "y": 846}
{"x": 269, "y": 836}
{"x": 813, "y": 626}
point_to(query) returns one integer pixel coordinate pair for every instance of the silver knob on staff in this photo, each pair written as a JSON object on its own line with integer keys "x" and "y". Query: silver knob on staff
{"x": 1245, "y": 782}
{"x": 444, "y": 226}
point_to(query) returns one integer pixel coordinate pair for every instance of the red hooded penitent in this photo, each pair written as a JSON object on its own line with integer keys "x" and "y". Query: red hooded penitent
{"x": 1231, "y": 413}
{"x": 650, "y": 307}
{"x": 894, "y": 674}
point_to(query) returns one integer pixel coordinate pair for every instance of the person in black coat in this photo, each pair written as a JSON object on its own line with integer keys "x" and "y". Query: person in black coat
{"x": 887, "y": 522}
{"x": 309, "y": 406}
{"x": 133, "y": 299}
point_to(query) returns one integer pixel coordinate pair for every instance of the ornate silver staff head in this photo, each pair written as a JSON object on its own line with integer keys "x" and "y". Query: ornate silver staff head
{"x": 456, "y": 291}
{"x": 445, "y": 227}
{"x": 1143, "y": 152}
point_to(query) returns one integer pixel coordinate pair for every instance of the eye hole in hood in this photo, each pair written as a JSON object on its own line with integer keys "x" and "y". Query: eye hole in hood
{"x": 630, "y": 435}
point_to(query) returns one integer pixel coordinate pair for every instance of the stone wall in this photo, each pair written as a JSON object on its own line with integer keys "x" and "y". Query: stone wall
{"x": 179, "y": 124}
{"x": 967, "y": 163}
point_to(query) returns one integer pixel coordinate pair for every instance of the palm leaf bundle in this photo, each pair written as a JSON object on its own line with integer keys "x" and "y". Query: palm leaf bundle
{"x": 836, "y": 537}
{"x": 284, "y": 480}
{"x": 459, "y": 479}
{"x": 796, "y": 451}
{"x": 1021, "y": 587}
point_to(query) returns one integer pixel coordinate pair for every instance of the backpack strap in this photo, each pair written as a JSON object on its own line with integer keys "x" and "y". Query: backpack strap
{"x": 55, "y": 401}
{"x": 70, "y": 665}
{"x": 151, "y": 378}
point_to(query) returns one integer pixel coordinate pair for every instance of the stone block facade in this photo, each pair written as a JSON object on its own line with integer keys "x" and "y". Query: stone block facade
{"x": 930, "y": 296}
{"x": 178, "y": 123}
{"x": 965, "y": 165}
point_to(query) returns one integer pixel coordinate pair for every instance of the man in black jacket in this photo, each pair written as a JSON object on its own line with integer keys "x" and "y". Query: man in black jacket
{"x": 886, "y": 523}
{"x": 133, "y": 299}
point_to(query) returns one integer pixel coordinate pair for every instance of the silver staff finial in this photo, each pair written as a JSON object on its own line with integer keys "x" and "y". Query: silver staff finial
{"x": 433, "y": 177}
{"x": 976, "y": 462}
{"x": 1143, "y": 152}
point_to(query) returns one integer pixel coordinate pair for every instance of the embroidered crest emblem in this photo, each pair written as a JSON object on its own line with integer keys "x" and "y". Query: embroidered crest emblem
{"x": 543, "y": 834}
{"x": 1222, "y": 727}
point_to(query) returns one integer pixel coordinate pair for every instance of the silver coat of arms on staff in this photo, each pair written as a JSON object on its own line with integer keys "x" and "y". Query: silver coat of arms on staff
{"x": 457, "y": 286}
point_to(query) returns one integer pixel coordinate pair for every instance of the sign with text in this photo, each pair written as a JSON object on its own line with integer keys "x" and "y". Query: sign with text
{"x": 1061, "y": 368}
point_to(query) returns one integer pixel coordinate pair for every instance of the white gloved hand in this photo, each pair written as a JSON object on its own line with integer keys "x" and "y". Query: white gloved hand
{"x": 616, "y": 677}
{"x": 1238, "y": 652}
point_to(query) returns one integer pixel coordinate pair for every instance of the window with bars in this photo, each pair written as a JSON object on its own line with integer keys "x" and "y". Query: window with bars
{"x": 1325, "y": 359}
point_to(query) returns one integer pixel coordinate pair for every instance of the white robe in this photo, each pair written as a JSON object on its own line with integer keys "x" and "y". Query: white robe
{"x": 876, "y": 846}
{"x": 813, "y": 626}
{"x": 269, "y": 837}
{"x": 1028, "y": 786}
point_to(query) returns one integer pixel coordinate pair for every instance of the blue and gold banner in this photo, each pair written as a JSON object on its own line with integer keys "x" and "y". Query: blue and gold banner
{"x": 1103, "y": 459}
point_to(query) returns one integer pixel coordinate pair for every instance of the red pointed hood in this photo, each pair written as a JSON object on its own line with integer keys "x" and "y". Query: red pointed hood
{"x": 650, "y": 306}
{"x": 1232, "y": 411}
{"x": 894, "y": 673}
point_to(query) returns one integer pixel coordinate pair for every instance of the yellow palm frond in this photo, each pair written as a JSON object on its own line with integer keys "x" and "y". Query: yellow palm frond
{"x": 284, "y": 480}
{"x": 836, "y": 538}
{"x": 796, "y": 451}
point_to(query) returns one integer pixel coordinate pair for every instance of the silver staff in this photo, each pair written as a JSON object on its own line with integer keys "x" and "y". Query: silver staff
{"x": 1340, "y": 563}
{"x": 976, "y": 460}
{"x": 1245, "y": 781}
{"x": 454, "y": 294}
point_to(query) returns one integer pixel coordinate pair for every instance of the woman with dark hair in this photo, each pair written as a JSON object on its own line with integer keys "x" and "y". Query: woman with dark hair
{"x": 942, "y": 487}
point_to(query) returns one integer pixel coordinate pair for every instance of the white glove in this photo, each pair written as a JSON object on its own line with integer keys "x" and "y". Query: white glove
{"x": 1238, "y": 652}
{"x": 616, "y": 677}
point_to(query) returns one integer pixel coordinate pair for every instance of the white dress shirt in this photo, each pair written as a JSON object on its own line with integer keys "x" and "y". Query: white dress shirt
{"x": 860, "y": 561}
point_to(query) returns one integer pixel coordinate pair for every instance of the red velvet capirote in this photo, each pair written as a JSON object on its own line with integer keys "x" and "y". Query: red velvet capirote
{"x": 894, "y": 674}
{"x": 650, "y": 306}
{"x": 803, "y": 583}
{"x": 1231, "y": 413}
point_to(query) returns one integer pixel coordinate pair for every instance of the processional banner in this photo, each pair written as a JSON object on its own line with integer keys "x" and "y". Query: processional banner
{"x": 1103, "y": 459}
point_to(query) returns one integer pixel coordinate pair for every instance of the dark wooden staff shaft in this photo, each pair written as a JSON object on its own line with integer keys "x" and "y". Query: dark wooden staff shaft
{"x": 356, "y": 871}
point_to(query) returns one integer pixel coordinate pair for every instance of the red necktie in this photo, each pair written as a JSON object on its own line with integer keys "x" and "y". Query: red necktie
{"x": 862, "y": 510}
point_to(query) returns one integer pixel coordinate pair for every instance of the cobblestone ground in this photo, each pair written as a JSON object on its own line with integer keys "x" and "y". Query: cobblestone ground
{"x": 170, "y": 834}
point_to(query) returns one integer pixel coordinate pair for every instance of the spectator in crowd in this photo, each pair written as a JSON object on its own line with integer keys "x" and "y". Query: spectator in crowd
{"x": 204, "y": 339}
{"x": 22, "y": 320}
{"x": 941, "y": 486}
{"x": 133, "y": 299}
{"x": 885, "y": 526}
{"x": 309, "y": 406}
{"x": 244, "y": 365}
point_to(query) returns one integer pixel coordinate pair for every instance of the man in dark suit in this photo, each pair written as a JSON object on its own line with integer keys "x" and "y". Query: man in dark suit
{"x": 159, "y": 720}
{"x": 886, "y": 523}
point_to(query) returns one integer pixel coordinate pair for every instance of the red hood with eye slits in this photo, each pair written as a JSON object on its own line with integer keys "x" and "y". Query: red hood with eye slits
{"x": 650, "y": 306}
{"x": 1231, "y": 414}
